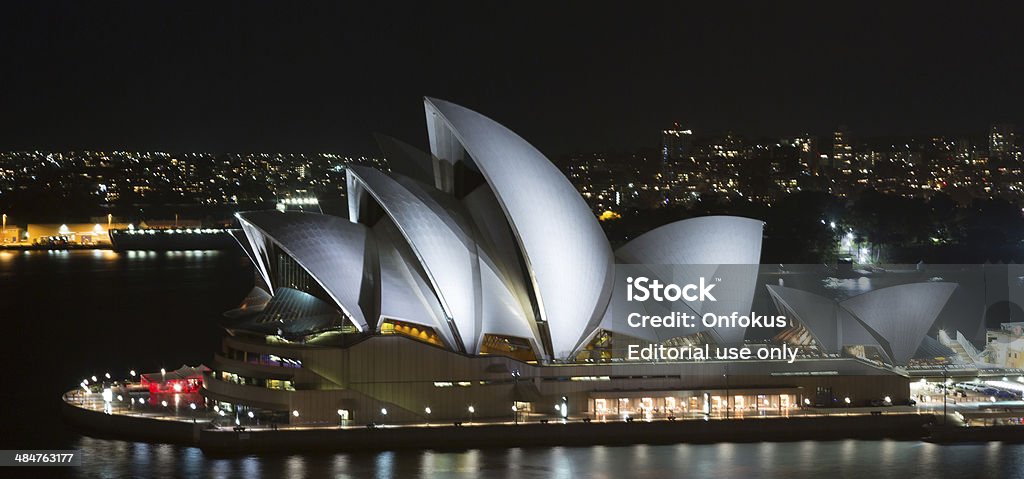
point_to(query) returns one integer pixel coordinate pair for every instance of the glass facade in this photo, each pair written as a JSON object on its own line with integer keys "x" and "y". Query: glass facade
{"x": 691, "y": 404}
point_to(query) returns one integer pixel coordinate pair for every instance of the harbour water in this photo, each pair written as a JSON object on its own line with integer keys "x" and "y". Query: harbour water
{"x": 70, "y": 315}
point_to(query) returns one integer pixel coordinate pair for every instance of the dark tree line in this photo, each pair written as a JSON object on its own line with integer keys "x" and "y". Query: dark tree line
{"x": 807, "y": 227}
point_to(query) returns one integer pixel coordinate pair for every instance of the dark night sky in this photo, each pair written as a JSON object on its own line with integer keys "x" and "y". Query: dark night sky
{"x": 190, "y": 76}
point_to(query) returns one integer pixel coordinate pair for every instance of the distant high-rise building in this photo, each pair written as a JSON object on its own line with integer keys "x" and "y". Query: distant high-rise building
{"x": 807, "y": 151}
{"x": 677, "y": 165}
{"x": 1002, "y": 141}
{"x": 675, "y": 143}
{"x": 842, "y": 152}
{"x": 963, "y": 149}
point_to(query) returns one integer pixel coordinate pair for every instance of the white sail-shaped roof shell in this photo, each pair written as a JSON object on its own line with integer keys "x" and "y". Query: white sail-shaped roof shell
{"x": 832, "y": 327}
{"x": 469, "y": 284}
{"x": 501, "y": 312}
{"x": 332, "y": 250}
{"x": 567, "y": 256}
{"x": 853, "y": 332}
{"x": 405, "y": 292}
{"x": 816, "y": 313}
{"x": 499, "y": 258}
{"x": 901, "y": 314}
{"x": 894, "y": 319}
{"x": 710, "y": 247}
{"x": 243, "y": 240}
{"x": 703, "y": 240}
{"x": 446, "y": 251}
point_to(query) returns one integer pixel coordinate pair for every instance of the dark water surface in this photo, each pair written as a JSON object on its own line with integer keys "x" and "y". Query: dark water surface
{"x": 70, "y": 315}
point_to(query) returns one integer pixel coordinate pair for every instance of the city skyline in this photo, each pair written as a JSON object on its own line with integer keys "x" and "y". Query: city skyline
{"x": 688, "y": 164}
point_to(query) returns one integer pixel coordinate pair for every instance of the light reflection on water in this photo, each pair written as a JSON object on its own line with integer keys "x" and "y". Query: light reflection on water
{"x": 904, "y": 459}
{"x": 848, "y": 287}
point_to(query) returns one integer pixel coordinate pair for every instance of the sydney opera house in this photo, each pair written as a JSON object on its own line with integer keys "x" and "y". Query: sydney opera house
{"x": 474, "y": 282}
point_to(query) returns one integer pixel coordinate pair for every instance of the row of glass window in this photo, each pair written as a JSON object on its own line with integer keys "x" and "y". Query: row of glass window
{"x": 279, "y": 384}
{"x": 263, "y": 359}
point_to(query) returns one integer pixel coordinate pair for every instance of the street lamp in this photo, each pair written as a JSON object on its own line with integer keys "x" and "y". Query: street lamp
{"x": 515, "y": 414}
{"x": 945, "y": 392}
{"x": 471, "y": 411}
{"x": 727, "y": 398}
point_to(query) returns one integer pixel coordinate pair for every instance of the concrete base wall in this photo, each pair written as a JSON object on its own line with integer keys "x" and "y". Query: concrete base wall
{"x": 902, "y": 426}
{"x": 224, "y": 441}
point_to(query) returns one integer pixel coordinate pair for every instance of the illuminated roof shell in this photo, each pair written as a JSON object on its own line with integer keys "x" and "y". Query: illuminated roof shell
{"x": 894, "y": 319}
{"x": 335, "y": 252}
{"x": 725, "y": 248}
{"x": 566, "y": 253}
